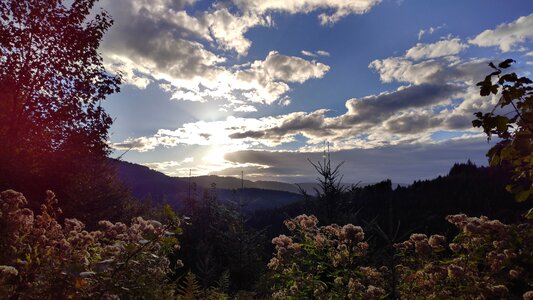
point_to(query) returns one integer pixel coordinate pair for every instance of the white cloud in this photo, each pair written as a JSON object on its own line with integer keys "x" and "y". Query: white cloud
{"x": 441, "y": 48}
{"x": 290, "y": 68}
{"x": 402, "y": 116}
{"x": 506, "y": 36}
{"x": 430, "y": 30}
{"x": 159, "y": 41}
{"x": 229, "y": 29}
{"x": 131, "y": 74}
{"x": 315, "y": 54}
{"x": 308, "y": 53}
{"x": 339, "y": 8}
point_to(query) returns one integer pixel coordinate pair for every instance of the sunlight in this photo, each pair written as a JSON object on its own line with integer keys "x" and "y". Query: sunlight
{"x": 215, "y": 157}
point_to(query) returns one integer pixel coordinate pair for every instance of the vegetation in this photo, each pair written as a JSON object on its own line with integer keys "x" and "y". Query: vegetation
{"x": 52, "y": 125}
{"x": 43, "y": 258}
{"x": 54, "y": 134}
{"x": 515, "y": 128}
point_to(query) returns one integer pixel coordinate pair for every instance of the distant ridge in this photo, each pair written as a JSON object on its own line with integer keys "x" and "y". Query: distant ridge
{"x": 144, "y": 182}
{"x": 228, "y": 182}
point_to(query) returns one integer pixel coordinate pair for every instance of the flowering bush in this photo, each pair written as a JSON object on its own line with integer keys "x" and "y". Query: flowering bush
{"x": 40, "y": 258}
{"x": 486, "y": 260}
{"x": 325, "y": 262}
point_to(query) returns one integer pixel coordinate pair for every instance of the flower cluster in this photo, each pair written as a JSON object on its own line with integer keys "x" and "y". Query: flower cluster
{"x": 42, "y": 258}
{"x": 324, "y": 262}
{"x": 487, "y": 259}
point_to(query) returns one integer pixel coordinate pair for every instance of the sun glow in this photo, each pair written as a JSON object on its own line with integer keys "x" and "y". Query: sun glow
{"x": 215, "y": 157}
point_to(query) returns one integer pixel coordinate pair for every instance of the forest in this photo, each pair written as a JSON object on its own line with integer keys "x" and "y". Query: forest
{"x": 71, "y": 226}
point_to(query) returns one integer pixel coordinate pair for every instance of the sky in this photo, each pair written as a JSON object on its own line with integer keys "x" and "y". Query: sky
{"x": 260, "y": 86}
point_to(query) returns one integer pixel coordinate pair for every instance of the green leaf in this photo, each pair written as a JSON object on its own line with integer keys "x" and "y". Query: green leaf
{"x": 522, "y": 195}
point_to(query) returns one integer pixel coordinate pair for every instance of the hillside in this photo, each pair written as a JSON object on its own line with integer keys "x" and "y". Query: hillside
{"x": 145, "y": 183}
{"x": 227, "y": 182}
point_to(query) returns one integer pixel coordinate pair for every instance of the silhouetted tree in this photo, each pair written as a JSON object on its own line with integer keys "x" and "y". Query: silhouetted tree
{"x": 330, "y": 188}
{"x": 52, "y": 82}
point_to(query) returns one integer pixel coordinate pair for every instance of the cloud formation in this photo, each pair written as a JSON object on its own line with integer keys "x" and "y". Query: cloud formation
{"x": 418, "y": 161}
{"x": 160, "y": 42}
{"x": 438, "y": 49}
{"x": 429, "y": 30}
{"x": 315, "y": 54}
{"x": 193, "y": 56}
{"x": 506, "y": 36}
{"x": 339, "y": 8}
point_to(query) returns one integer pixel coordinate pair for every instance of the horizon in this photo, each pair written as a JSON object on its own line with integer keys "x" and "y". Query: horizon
{"x": 315, "y": 181}
{"x": 260, "y": 86}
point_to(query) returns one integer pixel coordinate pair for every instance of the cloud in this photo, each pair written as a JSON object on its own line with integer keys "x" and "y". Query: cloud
{"x": 141, "y": 144}
{"x": 401, "y": 163}
{"x": 229, "y": 29}
{"x": 265, "y": 80}
{"x": 430, "y": 30}
{"x": 290, "y": 68}
{"x": 311, "y": 125}
{"x": 315, "y": 54}
{"x": 309, "y": 53}
{"x": 338, "y": 8}
{"x": 155, "y": 38}
{"x": 377, "y": 108}
{"x": 429, "y": 71}
{"x": 387, "y": 118}
{"x": 506, "y": 36}
{"x": 438, "y": 96}
{"x": 160, "y": 42}
{"x": 441, "y": 48}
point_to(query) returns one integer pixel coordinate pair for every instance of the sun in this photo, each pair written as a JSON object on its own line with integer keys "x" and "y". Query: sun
{"x": 215, "y": 157}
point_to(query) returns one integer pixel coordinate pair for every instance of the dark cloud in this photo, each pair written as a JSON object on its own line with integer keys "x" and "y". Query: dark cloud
{"x": 295, "y": 123}
{"x": 400, "y": 163}
{"x": 377, "y": 108}
{"x": 248, "y": 134}
{"x": 160, "y": 35}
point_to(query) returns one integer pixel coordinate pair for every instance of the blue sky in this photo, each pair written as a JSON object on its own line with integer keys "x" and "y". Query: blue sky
{"x": 260, "y": 85}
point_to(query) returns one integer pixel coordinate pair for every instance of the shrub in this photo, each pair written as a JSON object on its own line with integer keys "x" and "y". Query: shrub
{"x": 326, "y": 262}
{"x": 43, "y": 258}
{"x": 487, "y": 259}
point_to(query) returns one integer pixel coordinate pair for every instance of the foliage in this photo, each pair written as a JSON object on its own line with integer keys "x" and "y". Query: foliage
{"x": 52, "y": 125}
{"x": 40, "y": 258}
{"x": 515, "y": 128}
{"x": 189, "y": 289}
{"x": 52, "y": 77}
{"x": 218, "y": 241}
{"x": 421, "y": 206}
{"x": 487, "y": 260}
{"x": 325, "y": 262}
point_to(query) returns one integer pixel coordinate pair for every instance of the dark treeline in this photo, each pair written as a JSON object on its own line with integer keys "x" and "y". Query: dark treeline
{"x": 223, "y": 239}
{"x": 418, "y": 207}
